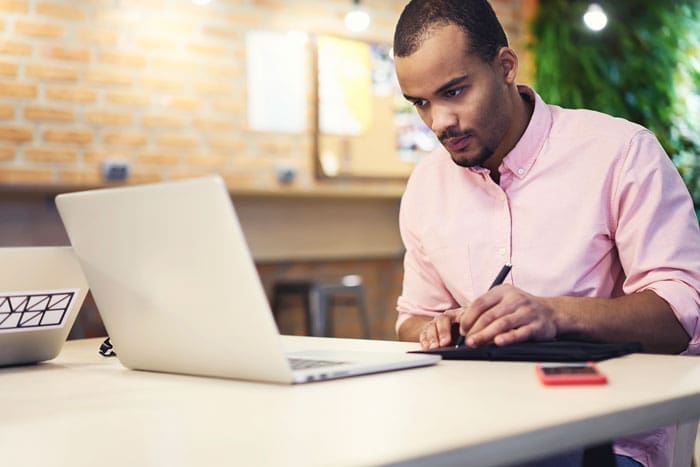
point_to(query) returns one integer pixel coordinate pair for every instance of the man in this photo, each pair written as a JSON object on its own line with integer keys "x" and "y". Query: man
{"x": 590, "y": 211}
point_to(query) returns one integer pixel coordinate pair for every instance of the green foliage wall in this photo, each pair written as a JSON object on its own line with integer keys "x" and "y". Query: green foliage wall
{"x": 644, "y": 66}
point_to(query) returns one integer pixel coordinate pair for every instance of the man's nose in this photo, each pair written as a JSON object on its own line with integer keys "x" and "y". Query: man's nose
{"x": 442, "y": 118}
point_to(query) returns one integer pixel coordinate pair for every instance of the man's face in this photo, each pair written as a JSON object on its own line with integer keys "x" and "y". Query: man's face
{"x": 463, "y": 99}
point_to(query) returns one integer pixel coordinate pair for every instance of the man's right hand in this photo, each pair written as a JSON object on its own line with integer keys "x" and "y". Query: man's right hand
{"x": 438, "y": 331}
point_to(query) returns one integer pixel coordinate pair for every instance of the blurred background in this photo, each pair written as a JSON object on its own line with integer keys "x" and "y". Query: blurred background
{"x": 295, "y": 104}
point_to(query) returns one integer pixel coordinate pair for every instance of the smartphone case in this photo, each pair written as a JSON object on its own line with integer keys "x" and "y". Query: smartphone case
{"x": 562, "y": 374}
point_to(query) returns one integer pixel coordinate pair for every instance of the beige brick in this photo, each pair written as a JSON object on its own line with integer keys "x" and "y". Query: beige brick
{"x": 80, "y": 177}
{"x": 75, "y": 54}
{"x": 174, "y": 64}
{"x": 9, "y": 47}
{"x": 60, "y": 11}
{"x": 68, "y": 136}
{"x": 275, "y": 147}
{"x": 252, "y": 17}
{"x": 241, "y": 180}
{"x": 190, "y": 172}
{"x": 108, "y": 77}
{"x": 127, "y": 98}
{"x": 7, "y": 152}
{"x": 175, "y": 26}
{"x": 182, "y": 103}
{"x": 159, "y": 158}
{"x": 50, "y": 155}
{"x": 178, "y": 141}
{"x": 262, "y": 164}
{"x": 207, "y": 160}
{"x": 16, "y": 134}
{"x": 41, "y": 113}
{"x": 106, "y": 117}
{"x": 92, "y": 156}
{"x": 14, "y": 6}
{"x": 158, "y": 83}
{"x": 69, "y": 93}
{"x": 13, "y": 89}
{"x": 26, "y": 176}
{"x": 212, "y": 125}
{"x": 227, "y": 144}
{"x": 8, "y": 69}
{"x": 228, "y": 71}
{"x": 39, "y": 29}
{"x": 202, "y": 15}
{"x": 7, "y": 111}
{"x": 122, "y": 58}
{"x": 125, "y": 139}
{"x": 51, "y": 72}
{"x": 124, "y": 153}
{"x": 228, "y": 105}
{"x": 156, "y": 43}
{"x": 222, "y": 33}
{"x": 213, "y": 88}
{"x": 207, "y": 49}
{"x": 144, "y": 176}
{"x": 162, "y": 121}
{"x": 98, "y": 36}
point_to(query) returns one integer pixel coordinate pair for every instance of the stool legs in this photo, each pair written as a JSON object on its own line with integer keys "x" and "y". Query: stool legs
{"x": 318, "y": 312}
{"x": 362, "y": 309}
{"x": 318, "y": 301}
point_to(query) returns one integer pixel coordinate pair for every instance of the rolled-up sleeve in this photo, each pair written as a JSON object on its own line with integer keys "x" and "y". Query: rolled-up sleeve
{"x": 657, "y": 235}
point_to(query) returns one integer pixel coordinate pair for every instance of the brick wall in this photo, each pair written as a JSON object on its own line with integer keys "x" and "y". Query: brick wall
{"x": 161, "y": 84}
{"x": 157, "y": 83}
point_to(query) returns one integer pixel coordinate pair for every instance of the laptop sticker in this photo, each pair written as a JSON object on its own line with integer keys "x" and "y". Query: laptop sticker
{"x": 36, "y": 309}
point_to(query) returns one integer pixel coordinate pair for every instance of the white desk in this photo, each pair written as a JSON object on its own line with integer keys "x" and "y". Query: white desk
{"x": 85, "y": 410}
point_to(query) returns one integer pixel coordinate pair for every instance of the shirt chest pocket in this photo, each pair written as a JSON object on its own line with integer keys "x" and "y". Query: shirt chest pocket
{"x": 453, "y": 266}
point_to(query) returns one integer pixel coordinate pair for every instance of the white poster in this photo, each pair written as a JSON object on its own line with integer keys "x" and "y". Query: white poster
{"x": 276, "y": 81}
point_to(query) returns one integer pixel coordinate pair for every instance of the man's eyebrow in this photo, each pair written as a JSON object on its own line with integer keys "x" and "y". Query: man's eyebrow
{"x": 451, "y": 83}
{"x": 442, "y": 88}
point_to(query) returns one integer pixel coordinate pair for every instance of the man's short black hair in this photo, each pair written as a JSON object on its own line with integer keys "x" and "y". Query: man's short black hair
{"x": 475, "y": 17}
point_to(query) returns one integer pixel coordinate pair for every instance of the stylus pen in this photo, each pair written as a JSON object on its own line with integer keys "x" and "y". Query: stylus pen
{"x": 503, "y": 273}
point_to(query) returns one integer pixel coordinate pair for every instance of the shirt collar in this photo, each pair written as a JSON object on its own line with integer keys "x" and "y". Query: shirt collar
{"x": 521, "y": 158}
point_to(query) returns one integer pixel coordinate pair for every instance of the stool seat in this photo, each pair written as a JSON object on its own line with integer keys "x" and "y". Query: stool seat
{"x": 318, "y": 296}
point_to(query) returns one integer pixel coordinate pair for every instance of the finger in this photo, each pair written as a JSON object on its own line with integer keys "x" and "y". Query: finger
{"x": 488, "y": 317}
{"x": 507, "y": 300}
{"x": 429, "y": 335}
{"x": 520, "y": 334}
{"x": 479, "y": 306}
{"x": 443, "y": 327}
{"x": 423, "y": 336}
{"x": 500, "y": 325}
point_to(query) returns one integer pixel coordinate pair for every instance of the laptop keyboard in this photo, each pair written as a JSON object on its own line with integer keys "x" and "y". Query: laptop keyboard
{"x": 305, "y": 363}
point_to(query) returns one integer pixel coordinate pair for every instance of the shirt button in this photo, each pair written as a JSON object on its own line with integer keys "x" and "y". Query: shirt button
{"x": 502, "y": 251}
{"x": 521, "y": 171}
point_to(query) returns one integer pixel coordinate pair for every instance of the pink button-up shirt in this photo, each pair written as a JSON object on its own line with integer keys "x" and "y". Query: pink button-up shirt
{"x": 588, "y": 205}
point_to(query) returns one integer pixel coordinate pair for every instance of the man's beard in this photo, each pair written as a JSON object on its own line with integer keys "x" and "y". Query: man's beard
{"x": 479, "y": 160}
{"x": 484, "y": 154}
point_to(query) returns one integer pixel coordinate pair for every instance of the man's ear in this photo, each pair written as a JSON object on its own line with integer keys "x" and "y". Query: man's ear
{"x": 506, "y": 62}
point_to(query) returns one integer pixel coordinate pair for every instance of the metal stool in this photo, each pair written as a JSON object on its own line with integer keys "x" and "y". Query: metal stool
{"x": 318, "y": 298}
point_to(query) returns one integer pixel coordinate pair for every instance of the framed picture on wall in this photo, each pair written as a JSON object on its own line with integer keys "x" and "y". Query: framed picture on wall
{"x": 365, "y": 126}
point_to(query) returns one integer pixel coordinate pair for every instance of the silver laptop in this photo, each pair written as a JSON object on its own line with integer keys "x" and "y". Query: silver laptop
{"x": 177, "y": 289}
{"x": 41, "y": 292}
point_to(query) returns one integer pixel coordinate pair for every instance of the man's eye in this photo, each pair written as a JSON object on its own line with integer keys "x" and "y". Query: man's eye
{"x": 454, "y": 92}
{"x": 420, "y": 103}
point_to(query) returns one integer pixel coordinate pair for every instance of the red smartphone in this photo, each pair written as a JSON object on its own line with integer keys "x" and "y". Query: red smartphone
{"x": 569, "y": 373}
